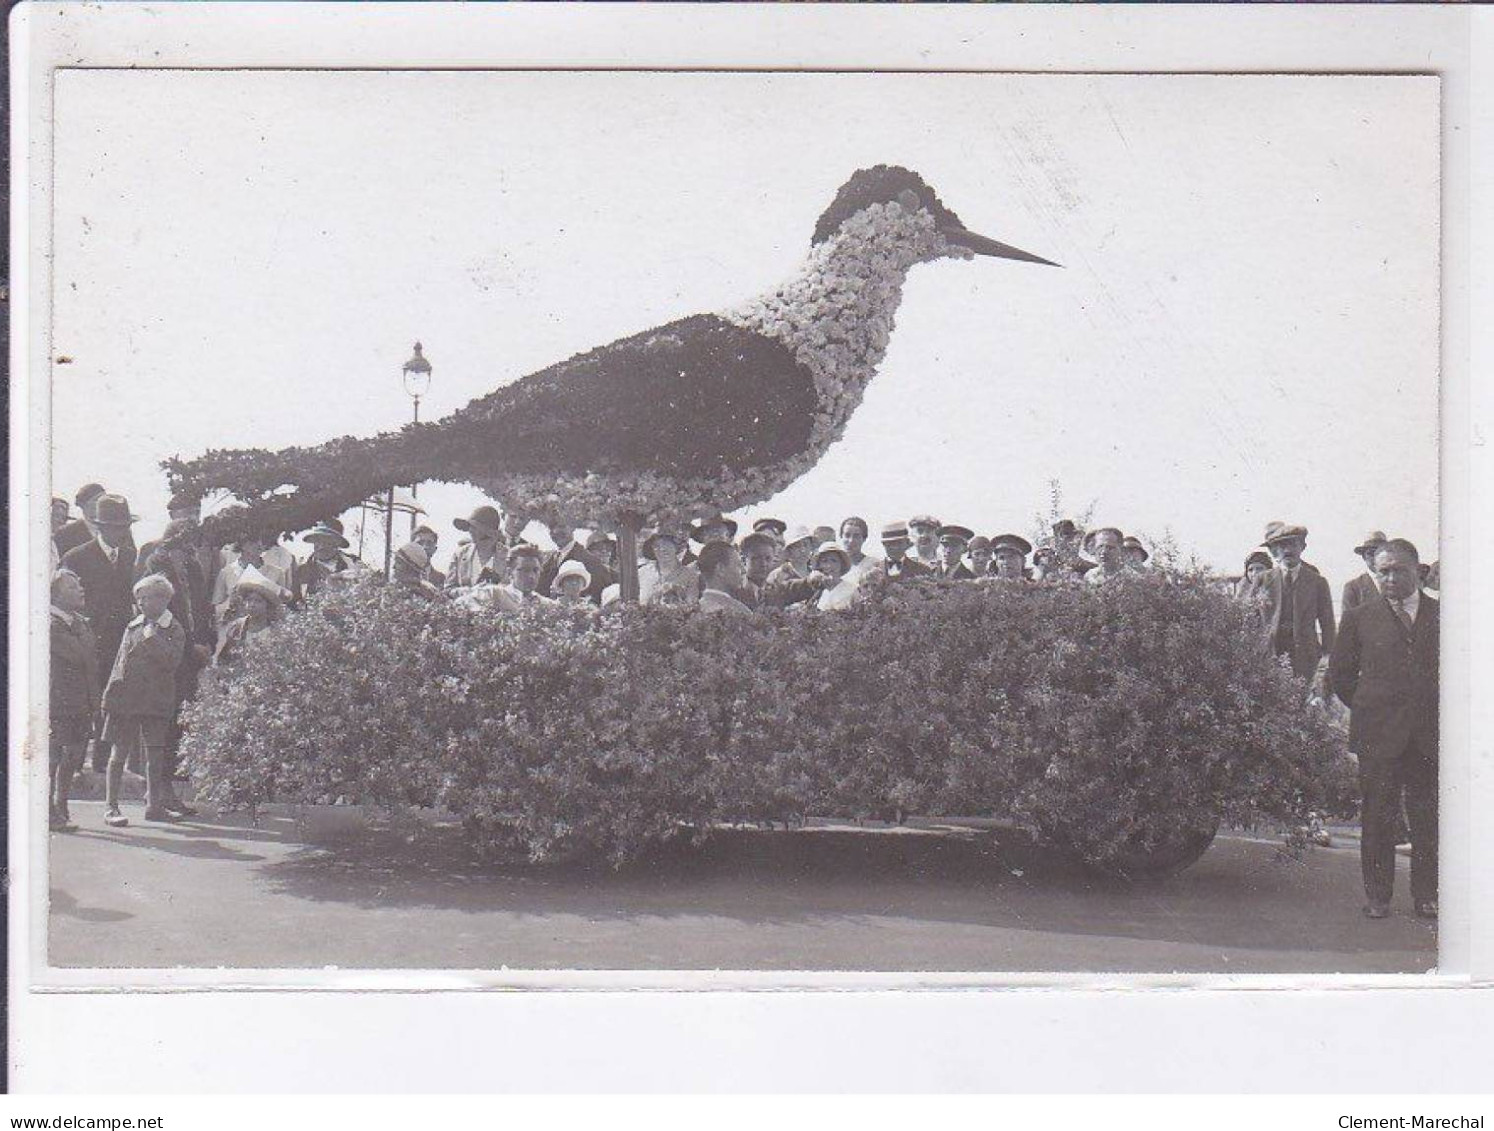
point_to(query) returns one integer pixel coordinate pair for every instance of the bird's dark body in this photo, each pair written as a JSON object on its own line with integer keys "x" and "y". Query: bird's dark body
{"x": 688, "y": 398}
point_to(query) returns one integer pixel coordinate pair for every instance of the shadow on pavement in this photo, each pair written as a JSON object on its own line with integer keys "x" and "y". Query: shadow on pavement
{"x": 1243, "y": 894}
{"x": 63, "y": 904}
{"x": 178, "y": 839}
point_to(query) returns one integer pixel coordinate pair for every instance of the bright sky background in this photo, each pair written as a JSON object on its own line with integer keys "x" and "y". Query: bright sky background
{"x": 1246, "y": 327}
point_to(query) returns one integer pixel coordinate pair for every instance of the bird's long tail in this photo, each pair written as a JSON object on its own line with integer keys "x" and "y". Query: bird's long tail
{"x": 294, "y": 488}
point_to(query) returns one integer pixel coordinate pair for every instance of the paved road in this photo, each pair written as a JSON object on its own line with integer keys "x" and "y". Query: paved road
{"x": 220, "y": 893}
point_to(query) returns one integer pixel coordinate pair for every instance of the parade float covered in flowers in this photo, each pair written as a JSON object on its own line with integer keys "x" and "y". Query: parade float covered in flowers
{"x": 1124, "y": 722}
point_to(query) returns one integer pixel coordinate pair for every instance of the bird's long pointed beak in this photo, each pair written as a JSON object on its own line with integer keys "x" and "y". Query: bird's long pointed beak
{"x": 984, "y": 245}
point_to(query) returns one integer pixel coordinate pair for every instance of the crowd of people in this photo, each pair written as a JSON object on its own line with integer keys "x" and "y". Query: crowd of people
{"x": 134, "y": 628}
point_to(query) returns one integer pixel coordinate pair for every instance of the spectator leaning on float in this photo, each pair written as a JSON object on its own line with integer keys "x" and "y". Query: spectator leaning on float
{"x": 1068, "y": 539}
{"x": 572, "y": 548}
{"x": 981, "y": 556}
{"x": 572, "y": 580}
{"x": 74, "y": 695}
{"x": 832, "y": 564}
{"x": 251, "y": 553}
{"x": 139, "y": 701}
{"x": 896, "y": 544}
{"x": 482, "y": 560}
{"x": 1107, "y": 546}
{"x": 1010, "y": 552}
{"x": 720, "y": 577}
{"x": 410, "y": 568}
{"x": 1295, "y": 603}
{"x": 853, "y": 534}
{"x": 1384, "y": 668}
{"x": 924, "y": 529}
{"x": 665, "y": 578}
{"x": 427, "y": 539}
{"x": 759, "y": 555}
{"x": 953, "y": 541}
{"x": 790, "y": 584}
{"x": 256, "y": 604}
{"x": 520, "y": 591}
{"x": 1045, "y": 565}
{"x": 1358, "y": 590}
{"x": 329, "y": 561}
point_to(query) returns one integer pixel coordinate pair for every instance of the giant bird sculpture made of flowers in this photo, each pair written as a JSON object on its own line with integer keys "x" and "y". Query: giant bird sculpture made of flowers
{"x": 710, "y": 412}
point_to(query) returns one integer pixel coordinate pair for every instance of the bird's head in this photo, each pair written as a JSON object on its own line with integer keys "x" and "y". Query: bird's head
{"x": 893, "y": 184}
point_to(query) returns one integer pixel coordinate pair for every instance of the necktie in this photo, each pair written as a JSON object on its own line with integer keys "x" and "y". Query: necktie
{"x": 1403, "y": 616}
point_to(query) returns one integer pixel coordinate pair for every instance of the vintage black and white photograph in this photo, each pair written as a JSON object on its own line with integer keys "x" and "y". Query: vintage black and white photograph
{"x": 685, "y": 521}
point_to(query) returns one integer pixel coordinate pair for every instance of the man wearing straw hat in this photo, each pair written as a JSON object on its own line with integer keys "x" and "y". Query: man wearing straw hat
{"x": 1358, "y": 590}
{"x": 1296, "y": 604}
{"x": 898, "y": 563}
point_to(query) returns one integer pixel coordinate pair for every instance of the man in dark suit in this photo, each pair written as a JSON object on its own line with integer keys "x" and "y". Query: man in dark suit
{"x": 1296, "y": 604}
{"x": 1360, "y": 589}
{"x": 1385, "y": 669}
{"x": 105, "y": 564}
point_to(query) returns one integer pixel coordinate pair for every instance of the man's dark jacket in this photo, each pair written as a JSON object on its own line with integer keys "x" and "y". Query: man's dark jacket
{"x": 108, "y": 593}
{"x": 1388, "y": 677}
{"x": 1313, "y": 604}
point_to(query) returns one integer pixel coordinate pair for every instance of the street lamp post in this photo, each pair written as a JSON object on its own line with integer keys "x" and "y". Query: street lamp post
{"x": 417, "y": 380}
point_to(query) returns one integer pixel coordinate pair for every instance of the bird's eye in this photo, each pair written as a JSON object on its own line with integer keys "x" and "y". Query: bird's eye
{"x": 909, "y": 200}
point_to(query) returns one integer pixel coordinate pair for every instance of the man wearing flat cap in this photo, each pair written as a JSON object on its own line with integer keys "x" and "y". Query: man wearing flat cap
{"x": 481, "y": 561}
{"x": 924, "y": 530}
{"x": 953, "y": 541}
{"x": 896, "y": 545}
{"x": 1009, "y": 552}
{"x": 1358, "y": 590}
{"x": 1295, "y": 602}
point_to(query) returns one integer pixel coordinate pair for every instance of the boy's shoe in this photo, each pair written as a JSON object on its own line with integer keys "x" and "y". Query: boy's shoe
{"x": 179, "y": 808}
{"x": 159, "y": 814}
{"x": 1376, "y": 911}
{"x": 59, "y": 823}
{"x": 115, "y": 819}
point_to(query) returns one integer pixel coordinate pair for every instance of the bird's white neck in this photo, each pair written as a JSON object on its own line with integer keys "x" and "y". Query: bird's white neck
{"x": 837, "y": 314}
